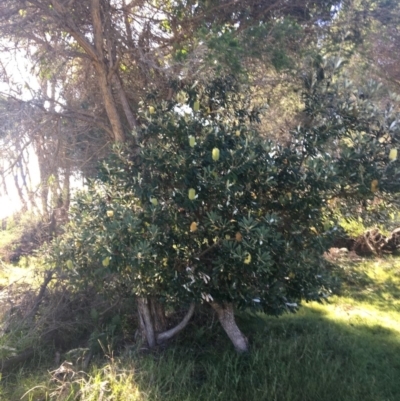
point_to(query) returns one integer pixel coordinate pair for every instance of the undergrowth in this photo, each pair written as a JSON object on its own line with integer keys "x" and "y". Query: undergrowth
{"x": 21, "y": 234}
{"x": 347, "y": 349}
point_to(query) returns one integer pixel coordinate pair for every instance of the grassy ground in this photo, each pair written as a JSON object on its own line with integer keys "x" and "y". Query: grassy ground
{"x": 347, "y": 350}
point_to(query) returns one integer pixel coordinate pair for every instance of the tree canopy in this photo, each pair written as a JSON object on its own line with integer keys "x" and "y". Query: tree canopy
{"x": 211, "y": 212}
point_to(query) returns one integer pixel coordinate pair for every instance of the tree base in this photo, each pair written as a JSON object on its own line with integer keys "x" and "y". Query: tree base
{"x": 227, "y": 319}
{"x": 153, "y": 322}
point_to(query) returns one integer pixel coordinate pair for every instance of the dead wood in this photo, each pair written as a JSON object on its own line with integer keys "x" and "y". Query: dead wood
{"x": 374, "y": 242}
{"x": 48, "y": 277}
{"x": 10, "y": 363}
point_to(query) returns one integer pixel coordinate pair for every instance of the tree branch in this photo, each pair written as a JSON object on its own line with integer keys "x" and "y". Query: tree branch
{"x": 166, "y": 335}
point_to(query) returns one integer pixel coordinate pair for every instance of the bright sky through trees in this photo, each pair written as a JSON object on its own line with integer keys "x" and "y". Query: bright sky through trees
{"x": 17, "y": 80}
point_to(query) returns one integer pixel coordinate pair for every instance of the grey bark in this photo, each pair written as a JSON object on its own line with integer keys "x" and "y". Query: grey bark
{"x": 125, "y": 103}
{"x": 151, "y": 316}
{"x": 226, "y": 317}
{"x": 157, "y": 312}
{"x": 166, "y": 335}
{"x": 146, "y": 324}
{"x": 109, "y": 103}
{"x": 96, "y": 54}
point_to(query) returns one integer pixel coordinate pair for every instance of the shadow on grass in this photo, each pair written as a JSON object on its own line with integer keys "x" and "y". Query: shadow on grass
{"x": 302, "y": 357}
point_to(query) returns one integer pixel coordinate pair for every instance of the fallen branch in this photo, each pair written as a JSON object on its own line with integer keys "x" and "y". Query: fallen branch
{"x": 8, "y": 364}
{"x": 39, "y": 298}
{"x": 368, "y": 243}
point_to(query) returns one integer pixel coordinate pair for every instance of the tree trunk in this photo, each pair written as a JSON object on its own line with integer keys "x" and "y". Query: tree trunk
{"x": 109, "y": 102}
{"x": 227, "y": 319}
{"x": 153, "y": 322}
{"x": 124, "y": 102}
{"x": 157, "y": 312}
{"x": 66, "y": 189}
{"x": 146, "y": 324}
{"x": 103, "y": 73}
{"x": 20, "y": 193}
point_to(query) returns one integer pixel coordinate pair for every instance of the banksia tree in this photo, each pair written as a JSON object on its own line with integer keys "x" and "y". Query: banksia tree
{"x": 207, "y": 211}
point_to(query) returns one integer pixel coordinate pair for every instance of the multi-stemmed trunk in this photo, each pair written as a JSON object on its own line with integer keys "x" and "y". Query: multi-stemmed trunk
{"x": 153, "y": 323}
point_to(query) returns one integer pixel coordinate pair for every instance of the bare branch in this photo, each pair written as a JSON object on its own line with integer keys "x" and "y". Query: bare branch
{"x": 179, "y": 327}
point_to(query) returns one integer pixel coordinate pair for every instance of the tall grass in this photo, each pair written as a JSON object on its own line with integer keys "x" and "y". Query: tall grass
{"x": 347, "y": 350}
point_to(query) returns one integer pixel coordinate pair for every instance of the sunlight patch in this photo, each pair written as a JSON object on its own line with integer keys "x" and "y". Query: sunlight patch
{"x": 357, "y": 316}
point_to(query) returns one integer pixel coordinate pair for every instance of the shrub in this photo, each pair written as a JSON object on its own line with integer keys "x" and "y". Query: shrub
{"x": 206, "y": 210}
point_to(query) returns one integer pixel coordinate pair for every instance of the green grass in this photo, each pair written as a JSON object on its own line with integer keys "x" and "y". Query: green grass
{"x": 347, "y": 350}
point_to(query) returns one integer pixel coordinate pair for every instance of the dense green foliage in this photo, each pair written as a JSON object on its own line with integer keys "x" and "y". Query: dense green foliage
{"x": 210, "y": 210}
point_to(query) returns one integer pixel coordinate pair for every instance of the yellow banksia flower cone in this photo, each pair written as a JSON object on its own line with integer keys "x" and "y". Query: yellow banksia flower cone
{"x": 110, "y": 213}
{"x": 193, "y": 227}
{"x": 154, "y": 201}
{"x": 151, "y": 110}
{"x": 393, "y": 154}
{"x": 215, "y": 154}
{"x": 196, "y": 106}
{"x": 247, "y": 259}
{"x": 191, "y": 193}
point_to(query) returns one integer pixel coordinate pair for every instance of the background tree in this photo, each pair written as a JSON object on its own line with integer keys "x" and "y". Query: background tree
{"x": 102, "y": 57}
